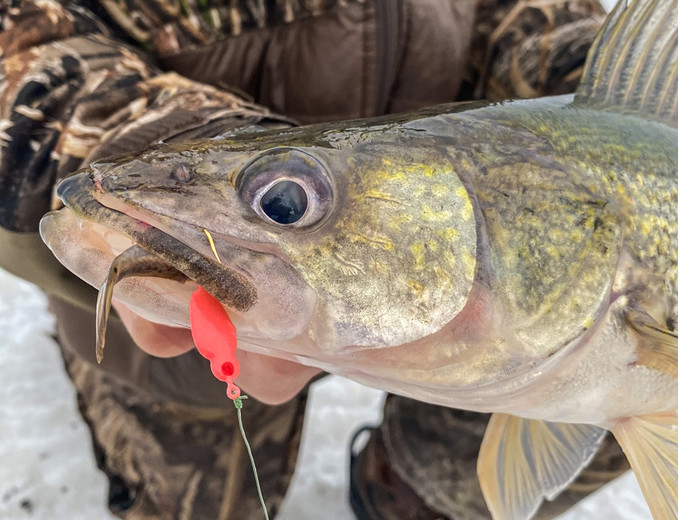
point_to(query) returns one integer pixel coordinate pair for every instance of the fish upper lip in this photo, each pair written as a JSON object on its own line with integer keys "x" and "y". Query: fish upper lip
{"x": 229, "y": 286}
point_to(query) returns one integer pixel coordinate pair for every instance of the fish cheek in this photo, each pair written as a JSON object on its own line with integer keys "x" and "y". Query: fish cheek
{"x": 398, "y": 260}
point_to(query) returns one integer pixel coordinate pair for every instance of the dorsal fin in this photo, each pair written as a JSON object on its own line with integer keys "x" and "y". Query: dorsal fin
{"x": 632, "y": 66}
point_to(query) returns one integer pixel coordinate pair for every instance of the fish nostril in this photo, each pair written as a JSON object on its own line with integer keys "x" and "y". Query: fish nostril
{"x": 99, "y": 168}
{"x": 182, "y": 173}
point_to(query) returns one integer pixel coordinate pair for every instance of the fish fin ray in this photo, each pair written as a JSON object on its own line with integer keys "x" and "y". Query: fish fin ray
{"x": 523, "y": 461}
{"x": 632, "y": 66}
{"x": 658, "y": 347}
{"x": 650, "y": 443}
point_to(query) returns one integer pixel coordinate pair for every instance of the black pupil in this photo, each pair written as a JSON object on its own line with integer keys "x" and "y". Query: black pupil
{"x": 285, "y": 202}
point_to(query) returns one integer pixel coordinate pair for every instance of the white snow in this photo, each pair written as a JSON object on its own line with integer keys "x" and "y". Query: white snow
{"x": 608, "y": 4}
{"x": 47, "y": 468}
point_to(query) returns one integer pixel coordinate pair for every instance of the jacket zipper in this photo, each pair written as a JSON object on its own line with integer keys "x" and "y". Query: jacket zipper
{"x": 388, "y": 25}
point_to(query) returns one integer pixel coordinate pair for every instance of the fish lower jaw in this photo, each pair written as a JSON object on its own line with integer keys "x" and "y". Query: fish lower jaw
{"x": 88, "y": 249}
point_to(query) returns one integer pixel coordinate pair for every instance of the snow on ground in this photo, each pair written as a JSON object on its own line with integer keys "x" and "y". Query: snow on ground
{"x": 47, "y": 468}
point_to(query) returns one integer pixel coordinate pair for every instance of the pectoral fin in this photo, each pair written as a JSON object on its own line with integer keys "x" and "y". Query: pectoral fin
{"x": 658, "y": 346}
{"x": 651, "y": 445}
{"x": 523, "y": 461}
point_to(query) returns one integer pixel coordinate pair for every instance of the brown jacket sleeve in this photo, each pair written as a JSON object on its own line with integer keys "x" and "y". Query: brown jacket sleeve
{"x": 349, "y": 59}
{"x": 69, "y": 94}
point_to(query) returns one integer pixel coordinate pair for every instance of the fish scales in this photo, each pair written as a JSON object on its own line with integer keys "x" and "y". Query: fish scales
{"x": 607, "y": 160}
{"x": 627, "y": 162}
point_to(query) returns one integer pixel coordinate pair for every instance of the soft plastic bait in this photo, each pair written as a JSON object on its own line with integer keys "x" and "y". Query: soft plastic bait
{"x": 214, "y": 335}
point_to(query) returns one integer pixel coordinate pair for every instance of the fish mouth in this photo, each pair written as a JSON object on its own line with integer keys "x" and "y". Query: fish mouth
{"x": 131, "y": 249}
{"x": 225, "y": 283}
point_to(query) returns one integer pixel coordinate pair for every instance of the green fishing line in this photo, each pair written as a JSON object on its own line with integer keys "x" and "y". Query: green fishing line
{"x": 237, "y": 402}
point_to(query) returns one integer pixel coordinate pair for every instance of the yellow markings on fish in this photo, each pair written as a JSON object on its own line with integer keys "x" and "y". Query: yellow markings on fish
{"x": 450, "y": 258}
{"x": 467, "y": 210}
{"x": 574, "y": 270}
{"x": 381, "y": 242}
{"x": 428, "y": 214}
{"x": 375, "y": 194}
{"x": 404, "y": 173}
{"x": 645, "y": 226}
{"x": 424, "y": 169}
{"x": 392, "y": 176}
{"x": 449, "y": 234}
{"x": 443, "y": 275}
{"x": 552, "y": 251}
{"x": 556, "y": 234}
{"x": 440, "y": 190}
{"x": 419, "y": 253}
{"x": 403, "y": 218}
{"x": 212, "y": 246}
{"x": 469, "y": 263}
{"x": 577, "y": 235}
{"x": 415, "y": 287}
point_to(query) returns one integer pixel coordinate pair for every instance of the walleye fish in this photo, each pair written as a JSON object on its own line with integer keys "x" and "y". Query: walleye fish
{"x": 518, "y": 258}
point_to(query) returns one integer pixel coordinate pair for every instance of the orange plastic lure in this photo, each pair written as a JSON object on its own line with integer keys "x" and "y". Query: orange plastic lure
{"x": 214, "y": 335}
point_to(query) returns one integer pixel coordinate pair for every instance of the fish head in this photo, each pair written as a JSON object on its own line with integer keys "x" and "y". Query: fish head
{"x": 323, "y": 248}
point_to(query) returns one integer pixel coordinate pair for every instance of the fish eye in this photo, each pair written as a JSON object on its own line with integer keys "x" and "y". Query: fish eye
{"x": 285, "y": 202}
{"x": 286, "y": 187}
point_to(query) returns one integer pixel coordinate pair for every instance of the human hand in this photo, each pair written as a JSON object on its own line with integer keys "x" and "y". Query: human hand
{"x": 267, "y": 379}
